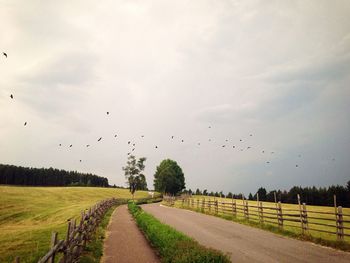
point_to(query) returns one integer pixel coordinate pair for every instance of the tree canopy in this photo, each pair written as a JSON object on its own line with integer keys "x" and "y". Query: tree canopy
{"x": 169, "y": 177}
{"x": 133, "y": 174}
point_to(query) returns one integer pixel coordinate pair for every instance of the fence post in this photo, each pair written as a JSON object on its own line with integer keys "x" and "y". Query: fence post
{"x": 257, "y": 206}
{"x": 216, "y": 207}
{"x": 202, "y": 206}
{"x": 53, "y": 243}
{"x": 340, "y": 224}
{"x": 301, "y": 216}
{"x": 262, "y": 212}
{"x": 305, "y": 219}
{"x": 280, "y": 215}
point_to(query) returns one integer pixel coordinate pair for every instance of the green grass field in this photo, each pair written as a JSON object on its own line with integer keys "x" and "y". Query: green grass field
{"x": 292, "y": 227}
{"x": 28, "y": 215}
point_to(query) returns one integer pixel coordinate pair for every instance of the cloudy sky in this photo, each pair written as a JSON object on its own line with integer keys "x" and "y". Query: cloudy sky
{"x": 278, "y": 70}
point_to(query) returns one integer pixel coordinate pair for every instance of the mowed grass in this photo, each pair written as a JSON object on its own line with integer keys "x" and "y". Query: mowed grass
{"x": 28, "y": 216}
{"x": 293, "y": 228}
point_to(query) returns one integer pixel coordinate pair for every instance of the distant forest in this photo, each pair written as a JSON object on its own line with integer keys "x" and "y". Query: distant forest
{"x": 17, "y": 175}
{"x": 309, "y": 195}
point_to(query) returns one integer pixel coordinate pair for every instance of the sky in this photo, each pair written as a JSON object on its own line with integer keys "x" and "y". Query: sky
{"x": 269, "y": 75}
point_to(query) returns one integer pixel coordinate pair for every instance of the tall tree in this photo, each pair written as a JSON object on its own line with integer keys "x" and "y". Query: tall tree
{"x": 169, "y": 177}
{"x": 133, "y": 174}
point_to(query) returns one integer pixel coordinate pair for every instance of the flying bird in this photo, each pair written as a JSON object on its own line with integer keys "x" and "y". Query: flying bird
{"x": 251, "y": 135}
{"x": 233, "y": 146}
{"x": 296, "y": 166}
{"x": 156, "y": 147}
{"x": 128, "y": 142}
{"x": 209, "y": 127}
{"x": 142, "y": 136}
{"x": 272, "y": 152}
{"x": 226, "y": 140}
{"x": 60, "y": 144}
{"x": 25, "y": 123}
{"x": 133, "y": 149}
{"x": 99, "y": 139}
{"x": 182, "y": 140}
{"x": 11, "y": 96}
{"x": 267, "y": 162}
{"x": 223, "y": 146}
{"x": 209, "y": 140}
{"x": 240, "y": 140}
{"x": 172, "y": 137}
{"x": 263, "y": 151}
{"x": 70, "y": 145}
{"x": 133, "y": 144}
{"x": 4, "y": 54}
{"x": 107, "y": 112}
{"x": 249, "y": 147}
{"x": 199, "y": 143}
{"x": 79, "y": 160}
{"x": 115, "y": 136}
{"x": 88, "y": 145}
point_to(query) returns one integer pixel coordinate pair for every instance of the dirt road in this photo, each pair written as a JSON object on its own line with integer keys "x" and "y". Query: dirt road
{"x": 243, "y": 243}
{"x": 125, "y": 243}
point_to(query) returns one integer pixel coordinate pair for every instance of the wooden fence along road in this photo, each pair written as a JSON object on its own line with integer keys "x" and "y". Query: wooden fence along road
{"x": 77, "y": 234}
{"x": 307, "y": 220}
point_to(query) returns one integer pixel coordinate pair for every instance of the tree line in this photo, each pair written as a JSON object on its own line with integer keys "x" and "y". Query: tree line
{"x": 17, "y": 175}
{"x": 309, "y": 195}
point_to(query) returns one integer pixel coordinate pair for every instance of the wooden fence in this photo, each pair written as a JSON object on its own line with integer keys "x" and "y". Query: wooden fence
{"x": 70, "y": 249}
{"x": 271, "y": 213}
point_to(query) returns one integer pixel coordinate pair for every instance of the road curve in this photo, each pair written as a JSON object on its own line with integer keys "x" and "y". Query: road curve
{"x": 243, "y": 243}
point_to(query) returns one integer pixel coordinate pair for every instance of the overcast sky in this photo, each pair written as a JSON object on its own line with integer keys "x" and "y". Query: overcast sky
{"x": 278, "y": 70}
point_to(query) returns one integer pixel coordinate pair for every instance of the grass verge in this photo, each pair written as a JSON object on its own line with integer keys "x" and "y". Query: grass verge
{"x": 172, "y": 245}
{"x": 341, "y": 245}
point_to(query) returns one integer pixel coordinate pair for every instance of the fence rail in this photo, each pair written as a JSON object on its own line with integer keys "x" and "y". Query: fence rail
{"x": 301, "y": 218}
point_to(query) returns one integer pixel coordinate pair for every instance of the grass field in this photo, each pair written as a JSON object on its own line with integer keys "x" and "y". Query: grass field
{"x": 291, "y": 227}
{"x": 28, "y": 215}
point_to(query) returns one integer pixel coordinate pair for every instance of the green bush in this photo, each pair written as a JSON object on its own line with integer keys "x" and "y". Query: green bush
{"x": 172, "y": 245}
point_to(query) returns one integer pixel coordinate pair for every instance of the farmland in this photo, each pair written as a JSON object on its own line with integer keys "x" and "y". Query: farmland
{"x": 28, "y": 215}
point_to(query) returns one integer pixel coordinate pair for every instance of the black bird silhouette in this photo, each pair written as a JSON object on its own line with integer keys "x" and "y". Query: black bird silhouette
{"x": 133, "y": 144}
{"x": 209, "y": 140}
{"x": 156, "y": 147}
{"x": 240, "y": 140}
{"x": 70, "y": 145}
{"x": 142, "y": 136}
{"x": 223, "y": 146}
{"x": 99, "y": 139}
{"x": 263, "y": 151}
{"x": 182, "y": 140}
{"x": 226, "y": 140}
{"x": 267, "y": 162}
{"x": 249, "y": 147}
{"x": 296, "y": 166}
{"x": 251, "y": 135}
{"x": 79, "y": 160}
{"x": 172, "y": 137}
{"x": 88, "y": 145}
{"x": 233, "y": 146}
{"x": 25, "y": 123}
{"x": 4, "y": 54}
{"x": 209, "y": 127}
{"x": 107, "y": 112}
{"x": 60, "y": 144}
{"x": 115, "y": 136}
{"x": 128, "y": 142}
{"x": 133, "y": 149}
{"x": 11, "y": 96}
{"x": 128, "y": 153}
{"x": 199, "y": 143}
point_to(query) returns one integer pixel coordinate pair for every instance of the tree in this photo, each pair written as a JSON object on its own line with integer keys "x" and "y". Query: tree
{"x": 250, "y": 197}
{"x": 205, "y": 192}
{"x": 135, "y": 179}
{"x": 262, "y": 194}
{"x": 169, "y": 177}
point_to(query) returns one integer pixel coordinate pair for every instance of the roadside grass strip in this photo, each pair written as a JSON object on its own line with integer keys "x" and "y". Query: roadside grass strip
{"x": 174, "y": 246}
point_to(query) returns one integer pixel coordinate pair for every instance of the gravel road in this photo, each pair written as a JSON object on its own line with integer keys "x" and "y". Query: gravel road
{"x": 243, "y": 243}
{"x": 125, "y": 243}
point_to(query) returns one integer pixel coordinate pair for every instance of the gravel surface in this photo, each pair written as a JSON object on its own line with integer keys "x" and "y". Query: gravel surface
{"x": 243, "y": 243}
{"x": 125, "y": 243}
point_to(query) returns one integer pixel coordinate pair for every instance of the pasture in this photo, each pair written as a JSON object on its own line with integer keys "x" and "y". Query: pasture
{"x": 28, "y": 215}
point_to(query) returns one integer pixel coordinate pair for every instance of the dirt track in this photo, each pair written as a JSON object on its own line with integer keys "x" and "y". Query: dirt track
{"x": 243, "y": 243}
{"x": 125, "y": 243}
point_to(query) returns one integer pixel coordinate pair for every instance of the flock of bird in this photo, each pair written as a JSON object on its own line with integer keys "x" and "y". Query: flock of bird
{"x": 172, "y": 137}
